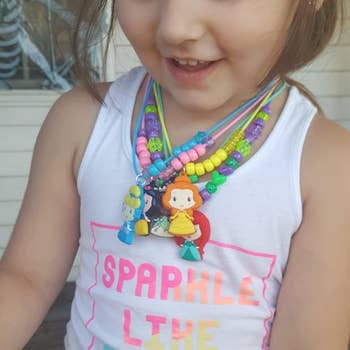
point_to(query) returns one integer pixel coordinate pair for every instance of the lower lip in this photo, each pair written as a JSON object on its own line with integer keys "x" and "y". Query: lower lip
{"x": 189, "y": 77}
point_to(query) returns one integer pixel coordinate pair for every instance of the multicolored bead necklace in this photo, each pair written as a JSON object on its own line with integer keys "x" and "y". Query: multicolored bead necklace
{"x": 164, "y": 200}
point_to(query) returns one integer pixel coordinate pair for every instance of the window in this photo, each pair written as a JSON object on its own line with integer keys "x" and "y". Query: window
{"x": 35, "y": 39}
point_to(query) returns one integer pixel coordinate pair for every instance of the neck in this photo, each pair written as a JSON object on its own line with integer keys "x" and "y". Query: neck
{"x": 182, "y": 123}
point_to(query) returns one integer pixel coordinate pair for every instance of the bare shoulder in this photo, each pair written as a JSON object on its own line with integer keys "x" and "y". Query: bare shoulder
{"x": 326, "y": 153}
{"x": 313, "y": 309}
{"x": 77, "y": 111}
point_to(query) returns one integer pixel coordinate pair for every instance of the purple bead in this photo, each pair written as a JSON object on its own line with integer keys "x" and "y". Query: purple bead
{"x": 205, "y": 195}
{"x": 225, "y": 170}
{"x": 142, "y": 133}
{"x": 154, "y": 125}
{"x": 151, "y": 116}
{"x": 153, "y": 133}
{"x": 260, "y": 122}
{"x": 254, "y": 129}
{"x": 157, "y": 155}
{"x": 237, "y": 155}
{"x": 209, "y": 143}
{"x": 250, "y": 137}
{"x": 151, "y": 100}
{"x": 266, "y": 109}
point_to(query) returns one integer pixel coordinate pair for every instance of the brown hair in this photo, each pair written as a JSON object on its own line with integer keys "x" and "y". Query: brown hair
{"x": 310, "y": 32}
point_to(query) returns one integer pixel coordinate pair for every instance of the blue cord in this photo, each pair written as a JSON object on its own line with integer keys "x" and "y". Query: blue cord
{"x": 248, "y": 103}
{"x": 210, "y": 131}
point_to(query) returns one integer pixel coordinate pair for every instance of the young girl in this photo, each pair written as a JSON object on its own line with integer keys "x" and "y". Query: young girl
{"x": 212, "y": 100}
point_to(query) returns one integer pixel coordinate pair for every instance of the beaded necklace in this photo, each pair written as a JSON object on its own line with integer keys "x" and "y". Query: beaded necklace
{"x": 164, "y": 200}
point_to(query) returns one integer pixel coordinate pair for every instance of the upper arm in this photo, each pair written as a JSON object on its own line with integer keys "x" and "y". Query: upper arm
{"x": 313, "y": 309}
{"x": 45, "y": 237}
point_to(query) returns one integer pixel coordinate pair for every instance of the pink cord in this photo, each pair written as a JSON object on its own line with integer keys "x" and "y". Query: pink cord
{"x": 238, "y": 118}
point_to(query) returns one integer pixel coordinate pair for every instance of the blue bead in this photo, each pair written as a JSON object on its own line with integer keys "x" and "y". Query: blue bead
{"x": 176, "y": 151}
{"x": 160, "y": 164}
{"x": 185, "y": 147}
{"x": 153, "y": 170}
{"x": 192, "y": 143}
{"x": 200, "y": 136}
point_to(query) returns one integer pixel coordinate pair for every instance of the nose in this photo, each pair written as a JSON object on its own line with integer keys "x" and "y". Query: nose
{"x": 180, "y": 21}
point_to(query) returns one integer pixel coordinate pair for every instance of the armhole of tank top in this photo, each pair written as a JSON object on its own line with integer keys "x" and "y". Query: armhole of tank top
{"x": 110, "y": 102}
{"x": 308, "y": 113}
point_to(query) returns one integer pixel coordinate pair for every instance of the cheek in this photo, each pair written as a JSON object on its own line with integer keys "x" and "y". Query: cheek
{"x": 252, "y": 26}
{"x": 136, "y": 20}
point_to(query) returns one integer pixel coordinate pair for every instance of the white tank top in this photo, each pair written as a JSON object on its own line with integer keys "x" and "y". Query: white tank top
{"x": 143, "y": 296}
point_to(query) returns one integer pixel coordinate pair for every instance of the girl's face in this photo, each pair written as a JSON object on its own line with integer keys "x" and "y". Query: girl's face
{"x": 244, "y": 37}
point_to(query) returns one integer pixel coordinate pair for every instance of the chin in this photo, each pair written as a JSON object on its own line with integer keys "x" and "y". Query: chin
{"x": 197, "y": 104}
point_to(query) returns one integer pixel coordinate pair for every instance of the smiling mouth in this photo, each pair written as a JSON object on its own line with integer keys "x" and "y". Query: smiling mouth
{"x": 191, "y": 65}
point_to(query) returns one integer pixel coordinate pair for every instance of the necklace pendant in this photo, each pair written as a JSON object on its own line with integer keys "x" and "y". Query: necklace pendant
{"x": 160, "y": 227}
{"x": 192, "y": 247}
{"x": 132, "y": 211}
{"x": 190, "y": 227}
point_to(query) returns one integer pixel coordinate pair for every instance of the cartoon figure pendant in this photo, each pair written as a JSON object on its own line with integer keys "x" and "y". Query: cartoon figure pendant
{"x": 192, "y": 247}
{"x": 191, "y": 228}
{"x": 132, "y": 211}
{"x": 181, "y": 197}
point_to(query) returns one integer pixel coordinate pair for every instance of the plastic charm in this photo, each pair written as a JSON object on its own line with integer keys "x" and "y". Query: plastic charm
{"x": 132, "y": 212}
{"x": 181, "y": 198}
{"x": 192, "y": 247}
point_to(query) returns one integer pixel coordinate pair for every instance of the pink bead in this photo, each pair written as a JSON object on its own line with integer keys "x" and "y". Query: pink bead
{"x": 184, "y": 158}
{"x": 193, "y": 155}
{"x": 141, "y": 147}
{"x": 144, "y": 154}
{"x": 176, "y": 164}
{"x": 145, "y": 162}
{"x": 200, "y": 149}
{"x": 166, "y": 173}
{"x": 169, "y": 171}
{"x": 141, "y": 140}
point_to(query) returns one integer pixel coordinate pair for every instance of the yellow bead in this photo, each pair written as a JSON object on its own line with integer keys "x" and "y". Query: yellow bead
{"x": 216, "y": 160}
{"x": 226, "y": 149}
{"x": 200, "y": 170}
{"x": 190, "y": 169}
{"x": 232, "y": 142}
{"x": 208, "y": 165}
{"x": 221, "y": 154}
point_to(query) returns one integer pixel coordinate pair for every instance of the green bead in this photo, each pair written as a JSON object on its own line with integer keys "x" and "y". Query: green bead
{"x": 159, "y": 183}
{"x": 211, "y": 187}
{"x": 151, "y": 109}
{"x": 244, "y": 147}
{"x": 155, "y": 144}
{"x": 194, "y": 178}
{"x": 232, "y": 163}
{"x": 218, "y": 179}
{"x": 263, "y": 115}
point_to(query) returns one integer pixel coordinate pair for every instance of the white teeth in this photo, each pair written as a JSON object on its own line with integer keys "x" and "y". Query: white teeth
{"x": 183, "y": 62}
{"x": 189, "y": 62}
{"x": 193, "y": 62}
